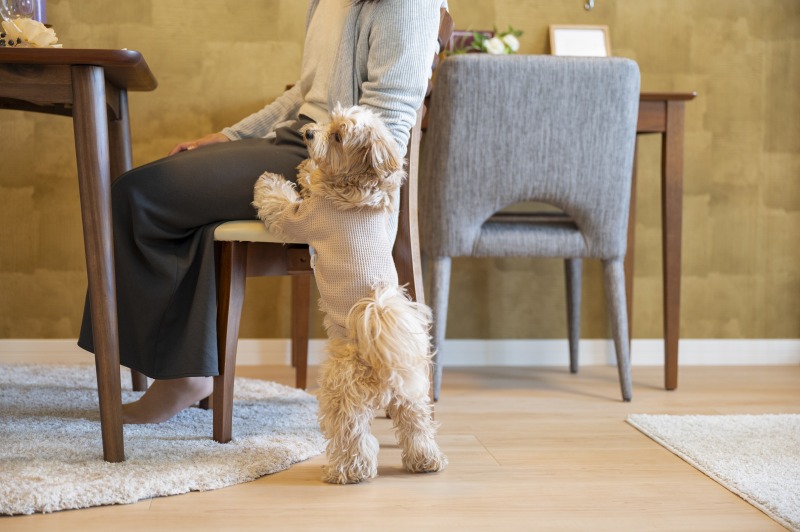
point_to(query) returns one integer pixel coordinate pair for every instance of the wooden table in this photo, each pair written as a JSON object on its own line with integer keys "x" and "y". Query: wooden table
{"x": 663, "y": 113}
{"x": 91, "y": 86}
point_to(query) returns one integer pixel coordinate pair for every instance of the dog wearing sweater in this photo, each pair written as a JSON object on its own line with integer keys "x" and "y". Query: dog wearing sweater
{"x": 378, "y": 339}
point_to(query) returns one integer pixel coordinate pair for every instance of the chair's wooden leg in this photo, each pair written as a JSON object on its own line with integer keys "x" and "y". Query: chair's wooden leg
{"x": 440, "y": 289}
{"x": 232, "y": 271}
{"x": 614, "y": 280}
{"x": 572, "y": 274}
{"x": 301, "y": 308}
{"x": 138, "y": 381}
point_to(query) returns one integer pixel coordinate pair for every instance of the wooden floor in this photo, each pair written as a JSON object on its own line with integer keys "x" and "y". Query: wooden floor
{"x": 529, "y": 449}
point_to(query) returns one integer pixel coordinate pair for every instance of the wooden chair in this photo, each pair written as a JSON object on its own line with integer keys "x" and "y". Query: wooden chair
{"x": 246, "y": 249}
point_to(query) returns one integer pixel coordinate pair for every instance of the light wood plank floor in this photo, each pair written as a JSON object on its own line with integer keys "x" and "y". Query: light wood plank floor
{"x": 529, "y": 448}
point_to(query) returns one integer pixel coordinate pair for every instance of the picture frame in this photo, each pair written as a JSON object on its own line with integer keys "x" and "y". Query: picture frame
{"x": 577, "y": 40}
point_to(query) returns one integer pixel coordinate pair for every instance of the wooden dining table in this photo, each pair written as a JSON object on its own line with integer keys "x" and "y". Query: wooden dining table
{"x": 663, "y": 113}
{"x": 90, "y": 86}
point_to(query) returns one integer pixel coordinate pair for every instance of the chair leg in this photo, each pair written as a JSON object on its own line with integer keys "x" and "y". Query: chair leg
{"x": 572, "y": 275}
{"x": 138, "y": 381}
{"x": 301, "y": 308}
{"x": 614, "y": 280}
{"x": 440, "y": 288}
{"x": 232, "y": 271}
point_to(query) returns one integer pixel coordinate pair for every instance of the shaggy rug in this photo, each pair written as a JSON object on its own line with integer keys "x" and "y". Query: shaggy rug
{"x": 51, "y": 450}
{"x": 755, "y": 456}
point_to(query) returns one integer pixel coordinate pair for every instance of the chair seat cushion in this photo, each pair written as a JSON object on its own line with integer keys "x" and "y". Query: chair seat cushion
{"x": 510, "y": 239}
{"x": 246, "y": 231}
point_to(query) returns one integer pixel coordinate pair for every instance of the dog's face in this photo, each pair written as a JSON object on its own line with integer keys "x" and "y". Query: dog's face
{"x": 355, "y": 149}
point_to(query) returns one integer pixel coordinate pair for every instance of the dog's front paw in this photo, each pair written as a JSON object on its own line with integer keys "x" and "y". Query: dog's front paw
{"x": 273, "y": 187}
{"x": 271, "y": 195}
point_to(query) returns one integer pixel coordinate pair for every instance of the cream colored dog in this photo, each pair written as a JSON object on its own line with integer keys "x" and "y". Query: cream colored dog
{"x": 379, "y": 346}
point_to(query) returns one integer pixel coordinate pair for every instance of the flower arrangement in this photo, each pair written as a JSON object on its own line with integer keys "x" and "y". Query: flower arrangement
{"x": 27, "y": 33}
{"x": 501, "y": 43}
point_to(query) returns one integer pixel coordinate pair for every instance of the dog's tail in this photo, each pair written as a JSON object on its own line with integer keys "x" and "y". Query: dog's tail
{"x": 392, "y": 335}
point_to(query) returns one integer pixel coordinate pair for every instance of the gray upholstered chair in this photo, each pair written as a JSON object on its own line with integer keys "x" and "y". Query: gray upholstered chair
{"x": 555, "y": 130}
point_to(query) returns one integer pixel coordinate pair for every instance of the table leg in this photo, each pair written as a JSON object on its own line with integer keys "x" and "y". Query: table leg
{"x": 119, "y": 145}
{"x": 91, "y": 145}
{"x": 671, "y": 213}
{"x": 119, "y": 138}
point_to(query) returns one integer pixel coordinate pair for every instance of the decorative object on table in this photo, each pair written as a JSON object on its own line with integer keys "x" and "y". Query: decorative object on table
{"x": 22, "y": 25}
{"x": 27, "y": 33}
{"x": 579, "y": 41}
{"x": 50, "y": 456}
{"x": 757, "y": 457}
{"x": 40, "y": 11}
{"x": 14, "y": 9}
{"x": 483, "y": 41}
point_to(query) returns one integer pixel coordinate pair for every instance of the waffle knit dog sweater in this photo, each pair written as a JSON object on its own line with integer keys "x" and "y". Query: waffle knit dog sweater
{"x": 352, "y": 252}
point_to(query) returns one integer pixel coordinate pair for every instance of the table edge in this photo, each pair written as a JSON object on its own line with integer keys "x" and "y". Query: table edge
{"x": 110, "y": 59}
{"x": 667, "y": 96}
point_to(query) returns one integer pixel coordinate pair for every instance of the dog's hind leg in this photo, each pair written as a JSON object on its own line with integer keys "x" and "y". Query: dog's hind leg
{"x": 416, "y": 430}
{"x": 346, "y": 400}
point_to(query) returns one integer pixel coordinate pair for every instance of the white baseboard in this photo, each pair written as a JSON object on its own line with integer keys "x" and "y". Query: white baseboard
{"x": 644, "y": 352}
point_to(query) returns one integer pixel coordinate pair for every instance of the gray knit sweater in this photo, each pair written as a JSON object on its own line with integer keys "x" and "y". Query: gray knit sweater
{"x": 383, "y": 63}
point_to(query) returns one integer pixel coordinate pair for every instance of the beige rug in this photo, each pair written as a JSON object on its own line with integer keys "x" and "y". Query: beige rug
{"x": 755, "y": 456}
{"x": 51, "y": 450}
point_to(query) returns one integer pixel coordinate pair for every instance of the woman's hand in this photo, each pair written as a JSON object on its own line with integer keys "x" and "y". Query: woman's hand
{"x": 213, "y": 138}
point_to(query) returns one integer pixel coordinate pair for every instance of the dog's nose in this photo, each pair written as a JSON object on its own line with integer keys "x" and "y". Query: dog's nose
{"x": 309, "y": 134}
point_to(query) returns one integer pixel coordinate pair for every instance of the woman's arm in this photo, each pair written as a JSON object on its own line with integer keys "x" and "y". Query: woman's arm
{"x": 260, "y": 123}
{"x": 256, "y": 125}
{"x": 402, "y": 43}
{"x": 212, "y": 138}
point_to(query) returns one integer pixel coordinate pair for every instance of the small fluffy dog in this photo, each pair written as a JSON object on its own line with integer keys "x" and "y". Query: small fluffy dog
{"x": 379, "y": 346}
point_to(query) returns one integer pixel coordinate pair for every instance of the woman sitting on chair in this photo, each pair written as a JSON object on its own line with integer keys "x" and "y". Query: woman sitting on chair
{"x": 374, "y": 53}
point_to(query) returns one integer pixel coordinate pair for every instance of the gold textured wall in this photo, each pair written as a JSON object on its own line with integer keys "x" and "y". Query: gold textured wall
{"x": 217, "y": 61}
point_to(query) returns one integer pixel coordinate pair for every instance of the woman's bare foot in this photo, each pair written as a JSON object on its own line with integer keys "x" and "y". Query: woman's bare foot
{"x": 165, "y": 398}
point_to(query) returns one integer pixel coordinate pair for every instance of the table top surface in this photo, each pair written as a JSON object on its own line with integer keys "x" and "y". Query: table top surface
{"x": 124, "y": 68}
{"x": 671, "y": 96}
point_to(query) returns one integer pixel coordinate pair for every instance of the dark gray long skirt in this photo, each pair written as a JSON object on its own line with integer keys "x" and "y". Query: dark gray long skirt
{"x": 164, "y": 216}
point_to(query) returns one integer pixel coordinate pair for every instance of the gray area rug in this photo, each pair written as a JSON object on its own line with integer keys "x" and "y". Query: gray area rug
{"x": 51, "y": 450}
{"x": 755, "y": 456}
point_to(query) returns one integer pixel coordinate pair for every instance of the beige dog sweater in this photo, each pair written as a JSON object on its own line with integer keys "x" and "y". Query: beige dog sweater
{"x": 352, "y": 251}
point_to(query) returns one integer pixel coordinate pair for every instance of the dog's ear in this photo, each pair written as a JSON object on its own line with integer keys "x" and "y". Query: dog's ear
{"x": 384, "y": 155}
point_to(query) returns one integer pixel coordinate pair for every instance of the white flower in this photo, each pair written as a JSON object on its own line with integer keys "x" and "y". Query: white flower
{"x": 511, "y": 41}
{"x": 30, "y": 31}
{"x": 495, "y": 46}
